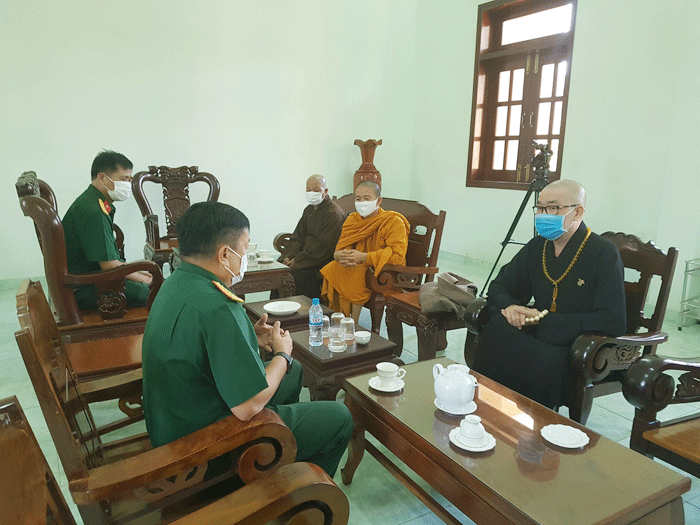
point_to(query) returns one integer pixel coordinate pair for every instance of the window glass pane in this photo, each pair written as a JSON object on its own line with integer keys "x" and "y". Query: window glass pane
{"x": 475, "y": 155}
{"x": 547, "y": 81}
{"x": 556, "y": 121}
{"x": 501, "y": 120}
{"x": 518, "y": 82}
{"x": 498, "y": 150}
{"x": 514, "y": 127}
{"x": 545, "y": 23}
{"x": 512, "y": 156}
{"x": 485, "y": 32}
{"x": 561, "y": 78}
{"x": 503, "y": 86}
{"x": 480, "y": 89}
{"x": 543, "y": 118}
{"x": 555, "y": 155}
{"x": 477, "y": 122}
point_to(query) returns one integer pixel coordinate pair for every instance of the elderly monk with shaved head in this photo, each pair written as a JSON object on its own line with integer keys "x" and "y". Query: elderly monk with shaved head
{"x": 576, "y": 279}
{"x": 313, "y": 240}
{"x": 371, "y": 237}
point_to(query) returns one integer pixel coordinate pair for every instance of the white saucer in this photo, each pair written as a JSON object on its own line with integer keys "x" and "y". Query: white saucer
{"x": 265, "y": 260}
{"x": 565, "y": 436}
{"x": 454, "y": 438}
{"x": 471, "y": 407}
{"x": 281, "y": 307}
{"x": 376, "y": 383}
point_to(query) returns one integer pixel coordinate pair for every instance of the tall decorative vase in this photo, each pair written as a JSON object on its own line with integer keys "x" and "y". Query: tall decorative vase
{"x": 367, "y": 171}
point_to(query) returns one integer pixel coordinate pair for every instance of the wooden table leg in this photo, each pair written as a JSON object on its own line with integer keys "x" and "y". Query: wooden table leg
{"x": 427, "y": 331}
{"x": 356, "y": 448}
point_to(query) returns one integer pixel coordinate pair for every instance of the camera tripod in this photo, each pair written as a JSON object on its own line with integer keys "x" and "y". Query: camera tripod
{"x": 540, "y": 164}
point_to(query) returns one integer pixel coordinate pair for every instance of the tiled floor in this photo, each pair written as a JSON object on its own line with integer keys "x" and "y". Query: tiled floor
{"x": 376, "y": 498}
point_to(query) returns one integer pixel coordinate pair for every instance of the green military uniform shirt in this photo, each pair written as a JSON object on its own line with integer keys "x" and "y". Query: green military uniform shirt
{"x": 89, "y": 233}
{"x": 200, "y": 355}
{"x": 88, "y": 228}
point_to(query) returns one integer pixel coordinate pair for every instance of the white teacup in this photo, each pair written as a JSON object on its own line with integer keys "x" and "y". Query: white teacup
{"x": 264, "y": 254}
{"x": 388, "y": 373}
{"x": 472, "y": 432}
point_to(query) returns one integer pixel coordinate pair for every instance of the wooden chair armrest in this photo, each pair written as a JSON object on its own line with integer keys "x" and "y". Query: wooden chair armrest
{"x": 119, "y": 238}
{"x": 476, "y": 316}
{"x": 262, "y": 444}
{"x": 647, "y": 387}
{"x": 286, "y": 492}
{"x": 591, "y": 353}
{"x": 112, "y": 387}
{"x": 281, "y": 241}
{"x": 391, "y": 276}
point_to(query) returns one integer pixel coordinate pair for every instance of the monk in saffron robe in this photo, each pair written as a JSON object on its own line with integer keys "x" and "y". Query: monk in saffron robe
{"x": 370, "y": 237}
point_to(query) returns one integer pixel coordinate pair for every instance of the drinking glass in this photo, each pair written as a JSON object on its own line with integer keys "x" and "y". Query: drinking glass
{"x": 326, "y": 326}
{"x": 335, "y": 319}
{"x": 348, "y": 325}
{"x": 336, "y": 339}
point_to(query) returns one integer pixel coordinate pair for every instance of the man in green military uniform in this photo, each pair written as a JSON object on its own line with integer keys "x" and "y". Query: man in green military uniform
{"x": 89, "y": 234}
{"x": 201, "y": 359}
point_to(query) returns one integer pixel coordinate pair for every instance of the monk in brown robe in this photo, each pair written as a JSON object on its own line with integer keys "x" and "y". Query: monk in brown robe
{"x": 371, "y": 237}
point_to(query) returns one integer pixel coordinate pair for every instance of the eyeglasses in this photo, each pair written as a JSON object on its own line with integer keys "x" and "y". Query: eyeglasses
{"x": 551, "y": 210}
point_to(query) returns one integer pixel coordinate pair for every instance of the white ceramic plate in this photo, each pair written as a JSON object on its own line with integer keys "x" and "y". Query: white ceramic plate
{"x": 265, "y": 260}
{"x": 565, "y": 436}
{"x": 454, "y": 439}
{"x": 471, "y": 407}
{"x": 282, "y": 307}
{"x": 376, "y": 383}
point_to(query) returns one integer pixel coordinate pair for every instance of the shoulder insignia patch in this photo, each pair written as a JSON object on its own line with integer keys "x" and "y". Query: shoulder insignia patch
{"x": 105, "y": 206}
{"x": 228, "y": 293}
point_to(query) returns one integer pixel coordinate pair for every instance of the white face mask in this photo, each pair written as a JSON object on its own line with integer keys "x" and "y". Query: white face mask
{"x": 365, "y": 208}
{"x": 244, "y": 266}
{"x": 121, "y": 191}
{"x": 314, "y": 197}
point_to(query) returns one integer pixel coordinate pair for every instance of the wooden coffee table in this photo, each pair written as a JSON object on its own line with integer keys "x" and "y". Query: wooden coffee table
{"x": 524, "y": 479}
{"x": 294, "y": 322}
{"x": 324, "y": 371}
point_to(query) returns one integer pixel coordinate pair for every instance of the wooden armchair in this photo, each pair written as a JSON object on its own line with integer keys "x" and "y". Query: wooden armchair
{"x": 598, "y": 363}
{"x": 38, "y": 201}
{"x": 421, "y": 256}
{"x": 123, "y": 479}
{"x": 176, "y": 199}
{"x": 650, "y": 390}
{"x": 293, "y": 491}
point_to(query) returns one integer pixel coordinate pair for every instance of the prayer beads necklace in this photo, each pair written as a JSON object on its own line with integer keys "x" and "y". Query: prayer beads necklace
{"x": 555, "y": 292}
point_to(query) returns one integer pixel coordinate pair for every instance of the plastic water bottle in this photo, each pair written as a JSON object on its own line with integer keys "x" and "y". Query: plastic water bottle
{"x": 315, "y": 323}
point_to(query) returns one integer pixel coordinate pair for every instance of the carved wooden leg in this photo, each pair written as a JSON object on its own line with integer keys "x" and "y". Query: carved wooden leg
{"x": 442, "y": 339}
{"x": 394, "y": 328}
{"x": 582, "y": 403}
{"x": 289, "y": 288}
{"x": 376, "y": 313}
{"x": 356, "y": 448}
{"x": 427, "y": 330}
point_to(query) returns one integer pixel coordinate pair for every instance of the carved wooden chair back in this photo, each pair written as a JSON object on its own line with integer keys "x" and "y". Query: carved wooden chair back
{"x": 648, "y": 261}
{"x": 176, "y": 193}
{"x": 425, "y": 236}
{"x": 27, "y": 485}
{"x": 67, "y": 415}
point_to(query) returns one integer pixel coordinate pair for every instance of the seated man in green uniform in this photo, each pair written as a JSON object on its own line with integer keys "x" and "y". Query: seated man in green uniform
{"x": 201, "y": 360}
{"x": 89, "y": 233}
{"x": 577, "y": 281}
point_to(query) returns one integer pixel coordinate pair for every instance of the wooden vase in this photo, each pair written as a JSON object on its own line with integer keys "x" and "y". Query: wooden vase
{"x": 367, "y": 171}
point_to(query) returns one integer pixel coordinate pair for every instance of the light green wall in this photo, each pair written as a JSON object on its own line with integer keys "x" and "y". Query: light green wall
{"x": 631, "y": 126}
{"x": 262, "y": 94}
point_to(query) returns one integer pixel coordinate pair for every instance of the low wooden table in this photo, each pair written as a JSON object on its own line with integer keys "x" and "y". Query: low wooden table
{"x": 325, "y": 371}
{"x": 524, "y": 479}
{"x": 294, "y": 322}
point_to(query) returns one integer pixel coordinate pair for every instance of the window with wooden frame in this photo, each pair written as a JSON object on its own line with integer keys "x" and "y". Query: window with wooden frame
{"x": 521, "y": 86}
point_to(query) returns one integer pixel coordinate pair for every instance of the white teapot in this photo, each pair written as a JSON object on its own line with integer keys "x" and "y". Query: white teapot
{"x": 454, "y": 389}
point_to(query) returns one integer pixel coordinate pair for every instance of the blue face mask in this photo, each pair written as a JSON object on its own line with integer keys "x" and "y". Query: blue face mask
{"x": 551, "y": 227}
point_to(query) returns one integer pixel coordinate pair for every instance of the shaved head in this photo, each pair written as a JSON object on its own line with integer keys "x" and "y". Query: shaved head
{"x": 371, "y": 185}
{"x": 315, "y": 180}
{"x": 569, "y": 188}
